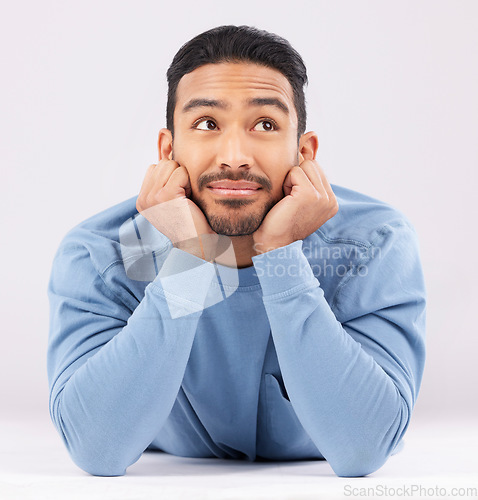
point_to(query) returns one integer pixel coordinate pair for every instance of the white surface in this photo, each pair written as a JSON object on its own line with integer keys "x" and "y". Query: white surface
{"x": 35, "y": 465}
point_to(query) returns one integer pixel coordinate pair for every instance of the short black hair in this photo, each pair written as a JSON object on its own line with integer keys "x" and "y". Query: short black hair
{"x": 239, "y": 44}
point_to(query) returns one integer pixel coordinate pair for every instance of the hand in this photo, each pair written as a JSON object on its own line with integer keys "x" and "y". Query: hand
{"x": 307, "y": 204}
{"x": 164, "y": 202}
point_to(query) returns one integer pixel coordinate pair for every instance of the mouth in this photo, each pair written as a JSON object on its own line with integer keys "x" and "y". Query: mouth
{"x": 234, "y": 188}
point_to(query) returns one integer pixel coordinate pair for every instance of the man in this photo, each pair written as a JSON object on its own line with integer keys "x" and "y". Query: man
{"x": 231, "y": 309}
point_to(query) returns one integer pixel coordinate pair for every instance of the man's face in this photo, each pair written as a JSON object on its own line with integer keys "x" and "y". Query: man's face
{"x": 235, "y": 121}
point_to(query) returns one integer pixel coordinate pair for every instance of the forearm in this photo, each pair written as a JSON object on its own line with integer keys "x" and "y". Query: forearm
{"x": 113, "y": 388}
{"x": 112, "y": 407}
{"x": 350, "y": 407}
{"x": 351, "y": 385}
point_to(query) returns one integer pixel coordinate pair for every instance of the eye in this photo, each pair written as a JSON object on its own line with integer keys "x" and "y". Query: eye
{"x": 205, "y": 124}
{"x": 265, "y": 126}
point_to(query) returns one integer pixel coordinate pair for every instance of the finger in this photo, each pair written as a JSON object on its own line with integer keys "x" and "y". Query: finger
{"x": 312, "y": 170}
{"x": 178, "y": 183}
{"x": 155, "y": 179}
{"x": 297, "y": 178}
{"x": 160, "y": 176}
{"x": 162, "y": 172}
{"x": 156, "y": 176}
{"x": 146, "y": 187}
{"x": 148, "y": 179}
{"x": 327, "y": 186}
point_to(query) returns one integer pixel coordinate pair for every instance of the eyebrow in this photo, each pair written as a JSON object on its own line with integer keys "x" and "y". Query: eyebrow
{"x": 256, "y": 101}
{"x": 269, "y": 101}
{"x": 204, "y": 103}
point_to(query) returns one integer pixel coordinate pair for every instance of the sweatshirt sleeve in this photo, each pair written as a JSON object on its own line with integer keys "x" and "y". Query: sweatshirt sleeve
{"x": 352, "y": 368}
{"x": 114, "y": 373}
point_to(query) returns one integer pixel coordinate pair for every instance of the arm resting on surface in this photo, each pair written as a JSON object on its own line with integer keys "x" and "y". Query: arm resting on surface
{"x": 352, "y": 376}
{"x": 114, "y": 373}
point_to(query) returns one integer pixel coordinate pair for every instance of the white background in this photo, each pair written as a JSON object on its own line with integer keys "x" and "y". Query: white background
{"x": 392, "y": 96}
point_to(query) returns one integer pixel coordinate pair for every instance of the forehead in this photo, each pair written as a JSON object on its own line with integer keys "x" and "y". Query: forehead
{"x": 230, "y": 81}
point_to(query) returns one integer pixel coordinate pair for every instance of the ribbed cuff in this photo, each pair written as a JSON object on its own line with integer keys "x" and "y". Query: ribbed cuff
{"x": 284, "y": 269}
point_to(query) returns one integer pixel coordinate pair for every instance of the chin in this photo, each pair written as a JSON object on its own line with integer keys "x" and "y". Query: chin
{"x": 236, "y": 219}
{"x": 225, "y": 226}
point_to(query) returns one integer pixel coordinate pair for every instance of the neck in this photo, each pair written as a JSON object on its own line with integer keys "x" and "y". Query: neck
{"x": 243, "y": 252}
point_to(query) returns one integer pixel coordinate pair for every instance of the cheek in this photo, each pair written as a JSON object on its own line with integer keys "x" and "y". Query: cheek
{"x": 194, "y": 160}
{"x": 282, "y": 154}
{"x": 276, "y": 165}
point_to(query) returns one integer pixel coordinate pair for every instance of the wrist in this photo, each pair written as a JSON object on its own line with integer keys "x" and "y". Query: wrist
{"x": 203, "y": 246}
{"x": 191, "y": 246}
{"x": 262, "y": 245}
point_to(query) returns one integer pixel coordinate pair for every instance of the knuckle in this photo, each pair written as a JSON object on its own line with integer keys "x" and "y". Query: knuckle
{"x": 152, "y": 199}
{"x": 318, "y": 198}
{"x": 150, "y": 170}
{"x": 145, "y": 202}
{"x": 158, "y": 197}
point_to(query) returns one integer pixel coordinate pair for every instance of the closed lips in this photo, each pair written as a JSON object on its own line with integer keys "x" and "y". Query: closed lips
{"x": 234, "y": 185}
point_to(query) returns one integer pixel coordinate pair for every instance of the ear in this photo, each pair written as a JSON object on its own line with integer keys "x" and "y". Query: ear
{"x": 165, "y": 144}
{"x": 308, "y": 146}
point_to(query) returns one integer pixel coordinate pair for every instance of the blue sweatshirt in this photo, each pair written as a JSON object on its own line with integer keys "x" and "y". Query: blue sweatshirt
{"x": 316, "y": 351}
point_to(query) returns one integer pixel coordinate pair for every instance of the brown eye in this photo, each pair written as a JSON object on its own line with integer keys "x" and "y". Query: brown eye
{"x": 206, "y": 124}
{"x": 265, "y": 126}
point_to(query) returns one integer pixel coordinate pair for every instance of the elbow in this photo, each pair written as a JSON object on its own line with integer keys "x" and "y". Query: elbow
{"x": 368, "y": 453}
{"x": 97, "y": 458}
{"x": 360, "y": 461}
{"x": 92, "y": 448}
{"x": 94, "y": 454}
{"x": 356, "y": 467}
{"x": 101, "y": 470}
{"x": 107, "y": 461}
{"x": 97, "y": 466}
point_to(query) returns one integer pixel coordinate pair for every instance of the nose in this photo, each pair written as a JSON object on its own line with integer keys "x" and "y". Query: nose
{"x": 232, "y": 150}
